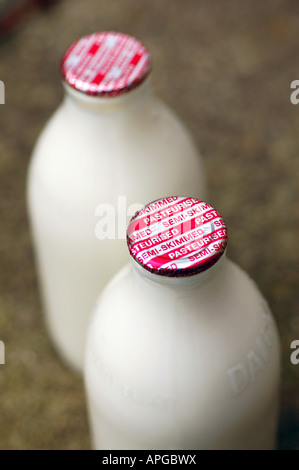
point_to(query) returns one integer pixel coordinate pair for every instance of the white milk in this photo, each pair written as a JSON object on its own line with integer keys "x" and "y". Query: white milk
{"x": 182, "y": 350}
{"x": 111, "y": 146}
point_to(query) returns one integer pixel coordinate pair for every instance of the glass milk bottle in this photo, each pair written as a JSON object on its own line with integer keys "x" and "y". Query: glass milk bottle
{"x": 182, "y": 350}
{"x": 111, "y": 146}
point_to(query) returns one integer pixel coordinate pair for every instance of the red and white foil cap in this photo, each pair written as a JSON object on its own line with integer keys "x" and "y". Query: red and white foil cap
{"x": 105, "y": 64}
{"x": 177, "y": 236}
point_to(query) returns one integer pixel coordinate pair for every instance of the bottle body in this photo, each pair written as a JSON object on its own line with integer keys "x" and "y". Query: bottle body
{"x": 95, "y": 161}
{"x": 181, "y": 366}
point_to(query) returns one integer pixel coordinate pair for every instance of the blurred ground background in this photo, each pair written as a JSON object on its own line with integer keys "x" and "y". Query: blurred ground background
{"x": 226, "y": 69}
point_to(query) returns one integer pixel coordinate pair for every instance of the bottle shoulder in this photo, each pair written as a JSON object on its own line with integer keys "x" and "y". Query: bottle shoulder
{"x": 150, "y": 125}
{"x": 115, "y": 155}
{"x": 228, "y": 309}
{"x": 231, "y": 294}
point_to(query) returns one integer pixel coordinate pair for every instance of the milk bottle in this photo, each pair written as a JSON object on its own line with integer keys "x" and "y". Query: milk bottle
{"x": 182, "y": 350}
{"x": 111, "y": 146}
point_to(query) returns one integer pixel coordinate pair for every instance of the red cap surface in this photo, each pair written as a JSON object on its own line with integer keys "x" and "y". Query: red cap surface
{"x": 177, "y": 236}
{"x": 105, "y": 64}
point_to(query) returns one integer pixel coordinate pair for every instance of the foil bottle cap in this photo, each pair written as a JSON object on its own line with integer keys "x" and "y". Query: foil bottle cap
{"x": 105, "y": 64}
{"x": 177, "y": 236}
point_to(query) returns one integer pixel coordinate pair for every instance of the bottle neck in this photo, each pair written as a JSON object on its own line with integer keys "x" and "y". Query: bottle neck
{"x": 104, "y": 105}
{"x": 177, "y": 283}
